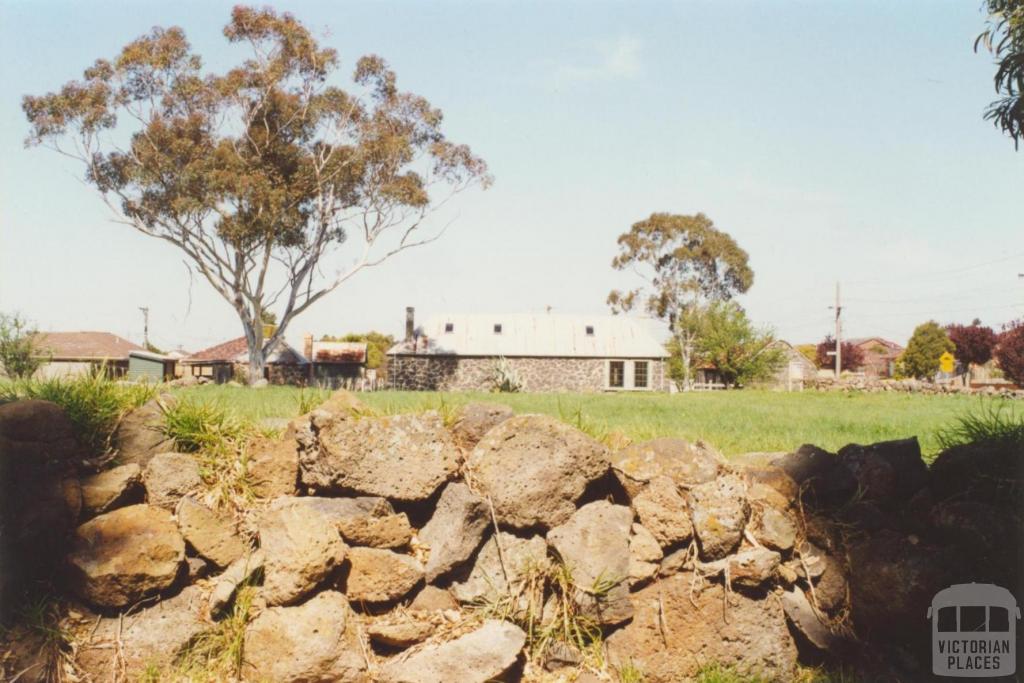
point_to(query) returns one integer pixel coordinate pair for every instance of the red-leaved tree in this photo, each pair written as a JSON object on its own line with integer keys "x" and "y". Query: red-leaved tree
{"x": 1010, "y": 352}
{"x": 853, "y": 356}
{"x": 974, "y": 342}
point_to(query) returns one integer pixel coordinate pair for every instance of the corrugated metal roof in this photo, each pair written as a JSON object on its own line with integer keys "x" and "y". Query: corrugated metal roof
{"x": 339, "y": 352}
{"x": 543, "y": 334}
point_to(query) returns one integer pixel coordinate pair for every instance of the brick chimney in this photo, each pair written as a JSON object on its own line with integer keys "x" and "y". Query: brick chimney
{"x": 410, "y": 322}
{"x": 307, "y": 347}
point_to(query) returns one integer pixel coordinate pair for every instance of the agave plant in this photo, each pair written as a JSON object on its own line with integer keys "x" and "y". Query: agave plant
{"x": 504, "y": 378}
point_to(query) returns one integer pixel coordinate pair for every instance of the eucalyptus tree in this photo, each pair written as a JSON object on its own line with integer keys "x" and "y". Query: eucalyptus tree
{"x": 261, "y": 173}
{"x": 685, "y": 263}
{"x": 1004, "y": 39}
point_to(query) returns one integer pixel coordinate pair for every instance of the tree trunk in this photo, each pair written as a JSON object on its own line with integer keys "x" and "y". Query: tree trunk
{"x": 257, "y": 352}
{"x": 685, "y": 354}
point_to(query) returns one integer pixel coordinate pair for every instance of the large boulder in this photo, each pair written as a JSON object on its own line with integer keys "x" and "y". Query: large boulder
{"x": 804, "y": 619}
{"x": 594, "y": 545}
{"x": 364, "y": 520}
{"x": 142, "y": 642}
{"x": 827, "y": 480}
{"x": 380, "y": 576}
{"x": 141, "y": 435}
{"x": 892, "y": 582}
{"x": 476, "y": 419}
{"x": 315, "y": 642}
{"x": 455, "y": 531}
{"x": 302, "y": 549}
{"x": 645, "y": 554}
{"x": 125, "y": 555}
{"x": 37, "y": 453}
{"x": 273, "y": 467}
{"x": 750, "y": 568}
{"x": 212, "y": 536}
{"x": 534, "y": 469}
{"x": 36, "y": 433}
{"x": 676, "y": 630}
{"x": 720, "y": 511}
{"x": 984, "y": 472}
{"x": 771, "y": 486}
{"x": 903, "y": 459}
{"x": 685, "y": 463}
{"x": 976, "y": 527}
{"x": 501, "y": 570}
{"x": 480, "y": 656}
{"x": 773, "y": 528}
{"x": 400, "y": 630}
{"x": 111, "y": 489}
{"x": 664, "y": 512}
{"x": 402, "y": 457}
{"x": 169, "y": 477}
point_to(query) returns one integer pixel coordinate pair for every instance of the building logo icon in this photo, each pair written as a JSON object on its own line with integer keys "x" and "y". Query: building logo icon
{"x": 974, "y": 631}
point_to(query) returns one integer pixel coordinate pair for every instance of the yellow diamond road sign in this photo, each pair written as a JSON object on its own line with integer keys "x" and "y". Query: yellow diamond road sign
{"x": 946, "y": 362}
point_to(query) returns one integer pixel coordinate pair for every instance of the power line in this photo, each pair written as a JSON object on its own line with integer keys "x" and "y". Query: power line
{"x": 923, "y": 277}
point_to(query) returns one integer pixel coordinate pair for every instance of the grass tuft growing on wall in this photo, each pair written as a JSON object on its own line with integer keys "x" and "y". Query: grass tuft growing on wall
{"x": 220, "y": 440}
{"x": 94, "y": 403}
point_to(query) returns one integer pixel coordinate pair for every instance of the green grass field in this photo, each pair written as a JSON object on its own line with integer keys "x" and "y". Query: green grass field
{"x": 733, "y": 421}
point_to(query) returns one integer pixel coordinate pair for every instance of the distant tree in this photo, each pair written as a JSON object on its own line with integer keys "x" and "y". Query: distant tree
{"x": 377, "y": 345}
{"x": 686, "y": 262}
{"x": 1004, "y": 39}
{"x": 20, "y": 351}
{"x": 728, "y": 340}
{"x": 1009, "y": 352}
{"x": 974, "y": 343}
{"x": 268, "y": 317}
{"x": 259, "y": 173}
{"x": 824, "y": 355}
{"x": 926, "y": 346}
{"x": 808, "y": 351}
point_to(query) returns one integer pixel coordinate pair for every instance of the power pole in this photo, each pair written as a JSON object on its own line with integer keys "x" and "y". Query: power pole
{"x": 839, "y": 334}
{"x": 145, "y": 326}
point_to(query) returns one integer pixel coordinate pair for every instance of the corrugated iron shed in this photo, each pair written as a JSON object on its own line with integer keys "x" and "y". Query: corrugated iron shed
{"x": 537, "y": 335}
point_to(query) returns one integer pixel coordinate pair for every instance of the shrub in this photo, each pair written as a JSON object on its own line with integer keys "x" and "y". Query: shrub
{"x": 853, "y": 356}
{"x": 974, "y": 342}
{"x": 93, "y": 402}
{"x": 20, "y": 354}
{"x": 995, "y": 424}
{"x": 926, "y": 346}
{"x": 1010, "y": 352}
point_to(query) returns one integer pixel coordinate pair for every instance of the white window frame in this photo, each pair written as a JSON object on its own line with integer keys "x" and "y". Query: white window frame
{"x": 629, "y": 374}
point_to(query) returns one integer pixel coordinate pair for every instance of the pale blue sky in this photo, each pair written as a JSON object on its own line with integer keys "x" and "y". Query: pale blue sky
{"x": 833, "y": 140}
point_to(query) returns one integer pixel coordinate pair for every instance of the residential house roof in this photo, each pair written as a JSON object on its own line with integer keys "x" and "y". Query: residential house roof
{"x": 85, "y": 346}
{"x": 338, "y": 352}
{"x": 237, "y": 351}
{"x": 864, "y": 341}
{"x": 537, "y": 335}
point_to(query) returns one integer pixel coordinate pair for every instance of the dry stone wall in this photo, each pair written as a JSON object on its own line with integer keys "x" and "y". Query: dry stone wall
{"x": 402, "y": 549}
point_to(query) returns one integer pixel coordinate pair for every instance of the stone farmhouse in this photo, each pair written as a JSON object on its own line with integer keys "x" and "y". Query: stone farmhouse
{"x": 547, "y": 352}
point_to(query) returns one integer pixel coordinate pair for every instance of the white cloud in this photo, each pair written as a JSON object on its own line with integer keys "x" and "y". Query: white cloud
{"x": 619, "y": 59}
